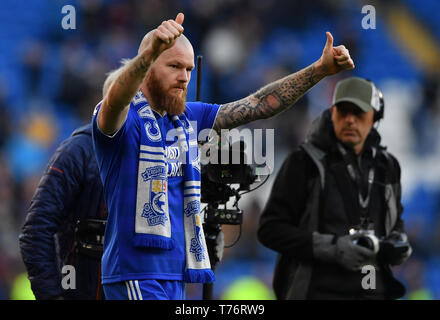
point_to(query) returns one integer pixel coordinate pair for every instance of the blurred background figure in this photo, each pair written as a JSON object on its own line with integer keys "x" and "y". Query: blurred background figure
{"x": 65, "y": 224}
{"x": 49, "y": 78}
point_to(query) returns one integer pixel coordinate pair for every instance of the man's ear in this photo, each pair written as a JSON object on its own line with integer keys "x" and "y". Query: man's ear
{"x": 332, "y": 111}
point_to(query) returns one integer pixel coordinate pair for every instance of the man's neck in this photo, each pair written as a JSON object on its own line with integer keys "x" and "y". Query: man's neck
{"x": 161, "y": 112}
{"x": 358, "y": 149}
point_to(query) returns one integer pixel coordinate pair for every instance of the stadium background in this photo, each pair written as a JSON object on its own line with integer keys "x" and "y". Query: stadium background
{"x": 51, "y": 78}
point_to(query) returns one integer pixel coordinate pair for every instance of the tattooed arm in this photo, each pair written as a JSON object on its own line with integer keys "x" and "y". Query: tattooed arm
{"x": 280, "y": 95}
{"x": 115, "y": 105}
{"x": 269, "y": 100}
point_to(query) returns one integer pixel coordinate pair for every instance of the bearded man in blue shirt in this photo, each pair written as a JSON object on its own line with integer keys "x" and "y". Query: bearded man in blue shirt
{"x": 145, "y": 140}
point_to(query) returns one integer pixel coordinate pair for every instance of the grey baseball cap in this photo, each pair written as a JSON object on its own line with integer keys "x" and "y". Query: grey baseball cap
{"x": 361, "y": 92}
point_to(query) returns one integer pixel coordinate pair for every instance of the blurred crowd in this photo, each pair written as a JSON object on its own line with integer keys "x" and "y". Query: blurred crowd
{"x": 51, "y": 79}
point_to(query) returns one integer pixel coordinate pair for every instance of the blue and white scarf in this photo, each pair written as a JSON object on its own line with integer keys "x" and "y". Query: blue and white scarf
{"x": 152, "y": 223}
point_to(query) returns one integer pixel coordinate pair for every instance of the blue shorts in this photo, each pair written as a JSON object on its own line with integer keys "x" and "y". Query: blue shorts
{"x": 145, "y": 290}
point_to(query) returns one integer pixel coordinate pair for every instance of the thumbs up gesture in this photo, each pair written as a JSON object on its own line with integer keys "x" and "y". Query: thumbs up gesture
{"x": 164, "y": 36}
{"x": 335, "y": 59}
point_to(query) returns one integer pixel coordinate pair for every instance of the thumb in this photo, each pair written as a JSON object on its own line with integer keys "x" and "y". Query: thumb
{"x": 179, "y": 18}
{"x": 329, "y": 43}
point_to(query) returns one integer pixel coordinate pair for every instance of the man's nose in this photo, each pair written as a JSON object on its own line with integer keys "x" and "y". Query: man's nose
{"x": 183, "y": 76}
{"x": 349, "y": 117}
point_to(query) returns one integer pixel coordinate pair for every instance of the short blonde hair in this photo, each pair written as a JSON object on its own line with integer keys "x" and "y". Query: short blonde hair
{"x": 112, "y": 76}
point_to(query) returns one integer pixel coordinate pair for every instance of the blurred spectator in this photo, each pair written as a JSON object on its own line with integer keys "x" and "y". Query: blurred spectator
{"x": 5, "y": 125}
{"x": 428, "y": 116}
{"x": 33, "y": 59}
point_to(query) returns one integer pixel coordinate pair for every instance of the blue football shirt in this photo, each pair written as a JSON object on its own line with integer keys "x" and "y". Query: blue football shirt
{"x": 117, "y": 158}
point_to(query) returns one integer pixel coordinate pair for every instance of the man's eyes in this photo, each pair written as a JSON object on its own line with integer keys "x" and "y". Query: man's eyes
{"x": 353, "y": 112}
{"x": 175, "y": 66}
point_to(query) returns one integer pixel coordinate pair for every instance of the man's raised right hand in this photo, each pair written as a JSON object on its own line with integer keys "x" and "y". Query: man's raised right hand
{"x": 165, "y": 35}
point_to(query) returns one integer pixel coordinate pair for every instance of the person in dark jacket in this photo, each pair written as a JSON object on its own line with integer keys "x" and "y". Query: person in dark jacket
{"x": 61, "y": 239}
{"x": 340, "y": 188}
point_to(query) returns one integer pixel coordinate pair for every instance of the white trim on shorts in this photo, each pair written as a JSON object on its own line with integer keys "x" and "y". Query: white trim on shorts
{"x": 131, "y": 291}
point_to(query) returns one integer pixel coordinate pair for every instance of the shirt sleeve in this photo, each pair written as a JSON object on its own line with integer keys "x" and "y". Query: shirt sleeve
{"x": 100, "y": 138}
{"x": 110, "y": 149}
{"x": 203, "y": 114}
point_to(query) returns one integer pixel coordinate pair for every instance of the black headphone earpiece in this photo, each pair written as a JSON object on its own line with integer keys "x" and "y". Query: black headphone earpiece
{"x": 378, "y": 115}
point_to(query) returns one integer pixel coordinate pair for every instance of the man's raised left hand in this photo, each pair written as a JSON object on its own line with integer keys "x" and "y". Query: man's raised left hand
{"x": 334, "y": 59}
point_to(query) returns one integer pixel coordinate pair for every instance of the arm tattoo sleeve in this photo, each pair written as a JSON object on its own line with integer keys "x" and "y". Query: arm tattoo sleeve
{"x": 136, "y": 69}
{"x": 269, "y": 100}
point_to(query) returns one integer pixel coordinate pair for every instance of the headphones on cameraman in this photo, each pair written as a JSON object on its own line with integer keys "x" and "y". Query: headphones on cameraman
{"x": 378, "y": 114}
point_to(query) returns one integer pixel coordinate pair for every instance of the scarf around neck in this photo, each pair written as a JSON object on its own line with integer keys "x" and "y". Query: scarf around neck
{"x": 152, "y": 223}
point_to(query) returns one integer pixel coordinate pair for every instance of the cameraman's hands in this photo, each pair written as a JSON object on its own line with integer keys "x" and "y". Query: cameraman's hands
{"x": 395, "y": 249}
{"x": 352, "y": 256}
{"x": 327, "y": 248}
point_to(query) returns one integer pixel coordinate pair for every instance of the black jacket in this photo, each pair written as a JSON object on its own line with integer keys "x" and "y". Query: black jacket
{"x": 295, "y": 205}
{"x": 70, "y": 189}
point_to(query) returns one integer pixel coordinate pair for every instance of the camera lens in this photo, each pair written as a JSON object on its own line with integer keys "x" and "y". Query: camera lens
{"x": 368, "y": 241}
{"x": 365, "y": 242}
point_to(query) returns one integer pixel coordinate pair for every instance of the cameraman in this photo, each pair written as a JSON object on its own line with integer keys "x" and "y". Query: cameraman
{"x": 340, "y": 178}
